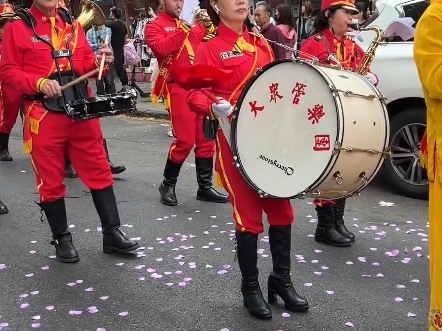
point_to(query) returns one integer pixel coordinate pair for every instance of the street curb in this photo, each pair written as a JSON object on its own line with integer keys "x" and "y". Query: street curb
{"x": 149, "y": 114}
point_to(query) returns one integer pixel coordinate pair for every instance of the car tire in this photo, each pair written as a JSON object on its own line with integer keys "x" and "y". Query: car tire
{"x": 395, "y": 167}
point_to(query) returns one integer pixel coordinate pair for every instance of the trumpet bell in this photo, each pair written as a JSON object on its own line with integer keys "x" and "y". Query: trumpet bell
{"x": 202, "y": 17}
{"x": 90, "y": 14}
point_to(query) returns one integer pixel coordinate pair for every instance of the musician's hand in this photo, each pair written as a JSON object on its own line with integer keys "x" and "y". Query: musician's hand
{"x": 51, "y": 88}
{"x": 104, "y": 49}
{"x": 371, "y": 78}
{"x": 222, "y": 109}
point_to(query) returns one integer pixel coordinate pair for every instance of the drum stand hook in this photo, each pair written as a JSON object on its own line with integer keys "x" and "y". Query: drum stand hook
{"x": 337, "y": 176}
{"x": 363, "y": 178}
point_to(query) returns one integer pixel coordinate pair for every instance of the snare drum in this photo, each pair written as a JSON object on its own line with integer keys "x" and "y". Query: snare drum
{"x": 302, "y": 130}
{"x": 101, "y": 106}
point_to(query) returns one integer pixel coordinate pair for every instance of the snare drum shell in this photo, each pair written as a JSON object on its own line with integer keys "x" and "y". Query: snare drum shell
{"x": 284, "y": 147}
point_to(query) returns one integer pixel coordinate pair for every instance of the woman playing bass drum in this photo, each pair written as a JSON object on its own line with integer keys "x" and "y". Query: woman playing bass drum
{"x": 329, "y": 44}
{"x": 232, "y": 48}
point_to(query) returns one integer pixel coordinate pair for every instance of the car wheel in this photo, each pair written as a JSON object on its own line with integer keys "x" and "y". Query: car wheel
{"x": 402, "y": 169}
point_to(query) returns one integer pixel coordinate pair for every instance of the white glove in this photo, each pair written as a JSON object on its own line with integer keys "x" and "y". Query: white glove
{"x": 222, "y": 109}
{"x": 371, "y": 78}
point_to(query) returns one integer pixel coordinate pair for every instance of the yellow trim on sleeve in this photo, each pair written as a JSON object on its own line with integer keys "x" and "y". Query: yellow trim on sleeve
{"x": 40, "y": 83}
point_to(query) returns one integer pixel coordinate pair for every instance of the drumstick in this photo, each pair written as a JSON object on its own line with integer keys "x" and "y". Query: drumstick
{"x": 79, "y": 79}
{"x": 210, "y": 95}
{"x": 103, "y": 57}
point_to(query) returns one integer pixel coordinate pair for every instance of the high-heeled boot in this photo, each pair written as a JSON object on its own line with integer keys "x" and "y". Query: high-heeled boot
{"x": 56, "y": 215}
{"x": 339, "y": 220}
{"x": 279, "y": 282}
{"x": 69, "y": 170}
{"x": 326, "y": 230}
{"x": 3, "y": 208}
{"x": 4, "y": 147}
{"x": 115, "y": 169}
{"x": 247, "y": 245}
{"x": 167, "y": 187}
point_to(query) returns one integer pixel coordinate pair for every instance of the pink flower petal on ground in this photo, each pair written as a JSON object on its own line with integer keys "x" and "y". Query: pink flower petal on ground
{"x": 45, "y": 268}
{"x": 150, "y": 270}
{"x": 400, "y": 286}
{"x": 75, "y": 312}
{"x": 380, "y": 275}
{"x": 182, "y": 284}
{"x": 72, "y": 284}
{"x": 226, "y": 266}
{"x": 119, "y": 264}
{"x": 141, "y": 278}
{"x": 350, "y": 324}
{"x": 225, "y": 329}
{"x": 124, "y": 313}
{"x": 308, "y": 284}
{"x": 169, "y": 284}
{"x": 330, "y": 292}
{"x": 362, "y": 259}
{"x": 285, "y": 315}
{"x": 417, "y": 248}
{"x": 50, "y": 308}
{"x": 104, "y": 298}
{"x": 35, "y": 325}
{"x": 324, "y": 267}
{"x": 415, "y": 281}
{"x": 92, "y": 310}
{"x": 394, "y": 252}
{"x": 79, "y": 281}
{"x": 3, "y": 325}
{"x": 349, "y": 263}
{"x": 30, "y": 275}
{"x": 375, "y": 264}
{"x": 24, "y": 305}
{"x": 36, "y": 317}
{"x": 101, "y": 329}
{"x": 317, "y": 251}
{"x": 52, "y": 256}
{"x": 89, "y": 289}
{"x": 318, "y": 273}
{"x": 141, "y": 266}
{"x": 222, "y": 272}
{"x": 399, "y": 299}
{"x": 178, "y": 272}
{"x": 411, "y": 315}
{"x": 35, "y": 292}
{"x": 366, "y": 276}
{"x": 32, "y": 252}
{"x": 23, "y": 295}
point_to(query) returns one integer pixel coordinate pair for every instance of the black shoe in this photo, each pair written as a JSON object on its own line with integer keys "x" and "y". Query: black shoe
{"x": 279, "y": 282}
{"x": 114, "y": 168}
{"x": 4, "y": 147}
{"x": 114, "y": 240}
{"x": 69, "y": 171}
{"x": 3, "y": 208}
{"x": 339, "y": 220}
{"x": 56, "y": 215}
{"x": 326, "y": 230}
{"x": 167, "y": 187}
{"x": 247, "y": 245}
{"x": 204, "y": 173}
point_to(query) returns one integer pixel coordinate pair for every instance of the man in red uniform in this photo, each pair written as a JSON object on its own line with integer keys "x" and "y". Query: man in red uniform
{"x": 10, "y": 96}
{"x": 44, "y": 49}
{"x": 174, "y": 44}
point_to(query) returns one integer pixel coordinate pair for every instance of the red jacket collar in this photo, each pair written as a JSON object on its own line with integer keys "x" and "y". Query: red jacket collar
{"x": 231, "y": 35}
{"x": 40, "y": 16}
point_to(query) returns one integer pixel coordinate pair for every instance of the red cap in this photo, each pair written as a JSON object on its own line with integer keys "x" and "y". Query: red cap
{"x": 6, "y": 9}
{"x": 344, "y": 4}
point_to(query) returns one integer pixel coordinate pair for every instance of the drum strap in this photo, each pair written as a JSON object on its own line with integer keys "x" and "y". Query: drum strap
{"x": 327, "y": 45}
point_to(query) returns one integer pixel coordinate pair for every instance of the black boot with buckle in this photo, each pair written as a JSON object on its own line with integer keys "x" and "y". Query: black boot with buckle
{"x": 55, "y": 212}
{"x": 204, "y": 174}
{"x": 4, "y": 147}
{"x": 114, "y": 240}
{"x": 167, "y": 187}
{"x": 69, "y": 170}
{"x": 326, "y": 231}
{"x": 279, "y": 282}
{"x": 3, "y": 208}
{"x": 247, "y": 246}
{"x": 339, "y": 220}
{"x": 115, "y": 169}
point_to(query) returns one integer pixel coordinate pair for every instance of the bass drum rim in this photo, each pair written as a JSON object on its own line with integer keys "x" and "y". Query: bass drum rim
{"x": 234, "y": 123}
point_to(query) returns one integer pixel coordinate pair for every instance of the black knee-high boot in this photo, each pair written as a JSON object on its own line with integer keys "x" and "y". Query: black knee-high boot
{"x": 115, "y": 169}
{"x": 326, "y": 230}
{"x": 69, "y": 170}
{"x": 56, "y": 215}
{"x": 3, "y": 208}
{"x": 204, "y": 174}
{"x": 167, "y": 187}
{"x": 339, "y": 220}
{"x": 279, "y": 282}
{"x": 4, "y": 147}
{"x": 247, "y": 245}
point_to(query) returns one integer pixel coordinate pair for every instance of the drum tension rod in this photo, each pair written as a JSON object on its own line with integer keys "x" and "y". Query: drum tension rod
{"x": 328, "y": 192}
{"x": 347, "y": 93}
{"x": 385, "y": 153}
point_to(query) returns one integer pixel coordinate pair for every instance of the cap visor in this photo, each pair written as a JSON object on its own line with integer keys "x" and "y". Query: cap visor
{"x": 353, "y": 9}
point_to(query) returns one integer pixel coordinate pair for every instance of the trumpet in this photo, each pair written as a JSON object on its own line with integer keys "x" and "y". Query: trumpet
{"x": 202, "y": 17}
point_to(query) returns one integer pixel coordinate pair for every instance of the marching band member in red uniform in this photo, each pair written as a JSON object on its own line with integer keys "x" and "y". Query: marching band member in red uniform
{"x": 10, "y": 96}
{"x": 234, "y": 50}
{"x": 45, "y": 48}
{"x": 332, "y": 24}
{"x": 174, "y": 43}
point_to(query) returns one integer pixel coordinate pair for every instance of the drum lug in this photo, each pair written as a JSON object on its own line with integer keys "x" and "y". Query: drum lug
{"x": 111, "y": 105}
{"x": 337, "y": 176}
{"x": 363, "y": 178}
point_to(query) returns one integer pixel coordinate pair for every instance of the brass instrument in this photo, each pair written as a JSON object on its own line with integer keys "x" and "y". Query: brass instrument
{"x": 202, "y": 17}
{"x": 6, "y": 13}
{"x": 368, "y": 58}
{"x": 90, "y": 14}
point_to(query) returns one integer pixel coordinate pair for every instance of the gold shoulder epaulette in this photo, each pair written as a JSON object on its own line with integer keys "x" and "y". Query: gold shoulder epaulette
{"x": 318, "y": 37}
{"x": 210, "y": 36}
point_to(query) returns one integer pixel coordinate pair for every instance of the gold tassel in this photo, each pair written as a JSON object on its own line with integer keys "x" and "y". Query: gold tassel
{"x": 218, "y": 183}
{"x": 33, "y": 125}
{"x": 423, "y": 159}
{"x": 27, "y": 146}
{"x": 167, "y": 102}
{"x": 154, "y": 98}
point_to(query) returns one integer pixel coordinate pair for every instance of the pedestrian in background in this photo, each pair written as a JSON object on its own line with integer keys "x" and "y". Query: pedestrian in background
{"x": 286, "y": 23}
{"x": 119, "y": 37}
{"x": 96, "y": 38}
{"x": 305, "y": 29}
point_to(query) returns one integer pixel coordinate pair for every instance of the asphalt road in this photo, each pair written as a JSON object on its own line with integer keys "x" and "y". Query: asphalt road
{"x": 177, "y": 280}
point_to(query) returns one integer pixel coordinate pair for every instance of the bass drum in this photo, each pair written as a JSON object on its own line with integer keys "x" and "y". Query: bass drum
{"x": 303, "y": 130}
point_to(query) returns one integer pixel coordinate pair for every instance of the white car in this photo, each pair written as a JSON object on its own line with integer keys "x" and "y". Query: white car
{"x": 399, "y": 83}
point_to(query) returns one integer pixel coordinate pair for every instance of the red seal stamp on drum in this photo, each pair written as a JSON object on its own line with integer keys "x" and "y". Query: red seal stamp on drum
{"x": 322, "y": 142}
{"x": 436, "y": 320}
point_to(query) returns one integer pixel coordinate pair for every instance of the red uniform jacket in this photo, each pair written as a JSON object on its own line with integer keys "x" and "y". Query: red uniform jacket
{"x": 241, "y": 55}
{"x": 348, "y": 53}
{"x": 26, "y": 61}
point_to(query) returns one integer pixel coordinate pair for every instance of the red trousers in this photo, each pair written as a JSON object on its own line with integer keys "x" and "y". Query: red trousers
{"x": 187, "y": 128}
{"x": 319, "y": 202}
{"x": 246, "y": 202}
{"x": 82, "y": 142}
{"x": 11, "y": 102}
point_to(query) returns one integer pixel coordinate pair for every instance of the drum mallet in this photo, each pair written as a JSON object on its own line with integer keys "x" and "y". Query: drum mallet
{"x": 103, "y": 57}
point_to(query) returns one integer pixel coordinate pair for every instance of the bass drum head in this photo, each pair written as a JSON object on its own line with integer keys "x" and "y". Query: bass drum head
{"x": 285, "y": 128}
